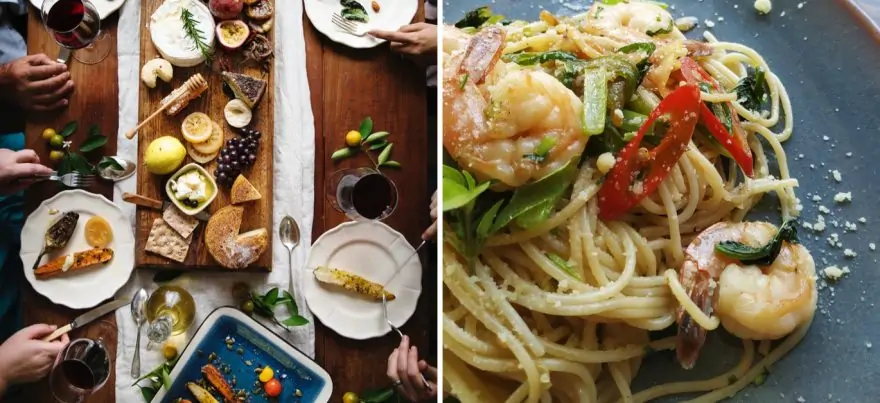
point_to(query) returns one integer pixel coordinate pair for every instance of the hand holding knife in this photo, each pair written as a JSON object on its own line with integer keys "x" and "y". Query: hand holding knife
{"x": 87, "y": 318}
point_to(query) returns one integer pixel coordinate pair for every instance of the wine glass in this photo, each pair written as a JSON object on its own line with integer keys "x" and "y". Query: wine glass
{"x": 362, "y": 193}
{"x": 76, "y": 25}
{"x": 80, "y": 370}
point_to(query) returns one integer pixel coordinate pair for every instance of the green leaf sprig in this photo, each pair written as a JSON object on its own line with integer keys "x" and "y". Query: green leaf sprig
{"x": 191, "y": 29}
{"x": 264, "y": 305}
{"x": 157, "y": 378}
{"x": 460, "y": 193}
{"x": 381, "y": 395}
{"x": 73, "y": 161}
{"x": 370, "y": 141}
{"x": 763, "y": 255}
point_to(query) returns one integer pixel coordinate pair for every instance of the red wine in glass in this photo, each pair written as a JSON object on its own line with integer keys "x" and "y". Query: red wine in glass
{"x": 363, "y": 193}
{"x": 78, "y": 374}
{"x": 83, "y": 368}
{"x": 73, "y": 23}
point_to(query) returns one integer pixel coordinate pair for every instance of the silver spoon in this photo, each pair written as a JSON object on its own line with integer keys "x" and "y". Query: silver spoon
{"x": 113, "y": 174}
{"x": 139, "y": 314}
{"x": 289, "y": 234}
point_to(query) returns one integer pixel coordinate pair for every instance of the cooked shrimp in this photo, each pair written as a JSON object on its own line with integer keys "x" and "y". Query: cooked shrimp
{"x": 752, "y": 302}
{"x": 496, "y": 115}
{"x": 633, "y": 21}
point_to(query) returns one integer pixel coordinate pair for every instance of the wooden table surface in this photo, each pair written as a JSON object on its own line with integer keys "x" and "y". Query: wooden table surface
{"x": 346, "y": 85}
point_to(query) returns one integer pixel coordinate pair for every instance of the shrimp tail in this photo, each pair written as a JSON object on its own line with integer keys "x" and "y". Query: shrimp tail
{"x": 691, "y": 336}
{"x": 482, "y": 53}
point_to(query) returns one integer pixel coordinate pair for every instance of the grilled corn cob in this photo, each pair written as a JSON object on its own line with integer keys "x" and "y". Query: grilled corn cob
{"x": 181, "y": 96}
{"x": 352, "y": 282}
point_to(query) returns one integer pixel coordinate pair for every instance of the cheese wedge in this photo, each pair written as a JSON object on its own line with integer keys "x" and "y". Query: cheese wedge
{"x": 352, "y": 282}
{"x": 243, "y": 191}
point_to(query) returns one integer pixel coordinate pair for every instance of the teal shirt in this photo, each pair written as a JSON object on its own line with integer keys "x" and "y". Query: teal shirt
{"x": 12, "y": 44}
{"x": 11, "y": 271}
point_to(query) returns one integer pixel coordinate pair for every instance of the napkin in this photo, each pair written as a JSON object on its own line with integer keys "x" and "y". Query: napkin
{"x": 294, "y": 192}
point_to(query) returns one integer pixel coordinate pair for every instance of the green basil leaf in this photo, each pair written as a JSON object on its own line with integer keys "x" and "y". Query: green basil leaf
{"x": 109, "y": 163}
{"x": 93, "y": 143}
{"x": 366, "y": 127}
{"x": 295, "y": 320}
{"x": 469, "y": 180}
{"x": 564, "y": 265}
{"x": 538, "y": 214}
{"x": 647, "y": 47}
{"x": 485, "y": 225}
{"x": 475, "y": 18}
{"x": 533, "y": 58}
{"x": 545, "y": 190}
{"x": 454, "y": 175}
{"x": 547, "y": 143}
{"x": 68, "y": 129}
{"x": 385, "y": 154}
{"x": 455, "y": 195}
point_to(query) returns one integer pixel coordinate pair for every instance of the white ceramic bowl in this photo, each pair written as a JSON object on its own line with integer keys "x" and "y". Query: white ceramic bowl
{"x": 184, "y": 208}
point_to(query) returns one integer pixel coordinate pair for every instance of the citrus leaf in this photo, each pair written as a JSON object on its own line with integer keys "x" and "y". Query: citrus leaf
{"x": 391, "y": 164}
{"x": 295, "y": 320}
{"x": 385, "y": 154}
{"x": 68, "y": 129}
{"x": 375, "y": 137}
{"x": 342, "y": 153}
{"x": 94, "y": 131}
{"x": 366, "y": 127}
{"x": 378, "y": 145}
{"x": 93, "y": 143}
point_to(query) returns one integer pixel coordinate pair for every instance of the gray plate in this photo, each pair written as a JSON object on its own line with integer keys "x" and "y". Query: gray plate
{"x": 828, "y": 60}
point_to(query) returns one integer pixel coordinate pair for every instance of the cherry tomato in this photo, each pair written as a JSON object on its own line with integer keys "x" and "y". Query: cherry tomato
{"x": 350, "y": 397}
{"x": 272, "y": 388}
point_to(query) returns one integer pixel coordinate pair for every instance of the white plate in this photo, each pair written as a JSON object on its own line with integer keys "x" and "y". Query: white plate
{"x": 104, "y": 7}
{"x": 392, "y": 15}
{"x": 90, "y": 287}
{"x": 373, "y": 251}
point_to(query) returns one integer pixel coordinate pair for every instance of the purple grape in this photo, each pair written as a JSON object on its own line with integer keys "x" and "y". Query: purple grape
{"x": 222, "y": 176}
{"x": 235, "y": 165}
{"x": 252, "y": 158}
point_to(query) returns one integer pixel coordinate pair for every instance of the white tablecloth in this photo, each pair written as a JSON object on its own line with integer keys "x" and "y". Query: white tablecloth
{"x": 294, "y": 187}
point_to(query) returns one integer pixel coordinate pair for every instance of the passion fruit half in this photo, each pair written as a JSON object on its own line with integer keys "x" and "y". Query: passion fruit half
{"x": 232, "y": 34}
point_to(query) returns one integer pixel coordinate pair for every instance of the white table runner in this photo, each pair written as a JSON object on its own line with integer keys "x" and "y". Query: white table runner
{"x": 294, "y": 188}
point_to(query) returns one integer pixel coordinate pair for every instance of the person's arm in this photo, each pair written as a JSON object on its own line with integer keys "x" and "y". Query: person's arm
{"x": 417, "y": 41}
{"x": 25, "y": 357}
{"x": 35, "y": 82}
{"x": 18, "y": 169}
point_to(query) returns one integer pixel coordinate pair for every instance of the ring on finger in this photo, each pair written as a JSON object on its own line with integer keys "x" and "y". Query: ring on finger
{"x": 396, "y": 383}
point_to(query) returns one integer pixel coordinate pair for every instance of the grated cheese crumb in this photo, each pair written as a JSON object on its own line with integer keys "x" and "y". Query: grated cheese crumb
{"x": 849, "y": 253}
{"x": 709, "y": 23}
{"x": 824, "y": 210}
{"x": 848, "y": 226}
{"x": 843, "y": 197}
{"x": 872, "y": 246}
{"x": 817, "y": 198}
{"x": 868, "y": 344}
{"x": 763, "y": 6}
{"x": 863, "y": 220}
{"x": 833, "y": 272}
{"x": 836, "y": 174}
{"x": 800, "y": 5}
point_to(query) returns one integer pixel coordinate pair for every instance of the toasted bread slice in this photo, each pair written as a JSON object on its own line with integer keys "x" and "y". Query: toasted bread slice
{"x": 78, "y": 260}
{"x": 215, "y": 378}
{"x": 229, "y": 248}
{"x": 243, "y": 191}
{"x": 352, "y": 282}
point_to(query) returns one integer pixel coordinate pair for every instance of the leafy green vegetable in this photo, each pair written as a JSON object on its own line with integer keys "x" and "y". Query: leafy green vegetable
{"x": 534, "y": 202}
{"x": 662, "y": 31}
{"x": 547, "y": 143}
{"x": 475, "y": 18}
{"x": 354, "y": 11}
{"x": 645, "y": 64}
{"x": 751, "y": 90}
{"x": 632, "y": 121}
{"x": 532, "y": 58}
{"x": 459, "y": 189}
{"x": 471, "y": 228}
{"x": 264, "y": 305}
{"x": 595, "y": 101}
{"x": 68, "y": 129}
{"x": 158, "y": 378}
{"x": 763, "y": 255}
{"x": 564, "y": 265}
{"x": 74, "y": 162}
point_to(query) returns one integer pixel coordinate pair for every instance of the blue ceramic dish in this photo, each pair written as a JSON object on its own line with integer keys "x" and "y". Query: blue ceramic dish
{"x": 253, "y": 346}
{"x": 826, "y": 53}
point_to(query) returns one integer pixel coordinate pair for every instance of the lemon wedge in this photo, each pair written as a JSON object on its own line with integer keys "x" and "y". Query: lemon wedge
{"x": 98, "y": 232}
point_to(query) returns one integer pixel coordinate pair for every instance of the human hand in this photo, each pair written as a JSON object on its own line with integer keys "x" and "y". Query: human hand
{"x": 35, "y": 83}
{"x": 16, "y": 167}
{"x": 432, "y": 230}
{"x": 405, "y": 371}
{"x": 417, "y": 41}
{"x": 24, "y": 357}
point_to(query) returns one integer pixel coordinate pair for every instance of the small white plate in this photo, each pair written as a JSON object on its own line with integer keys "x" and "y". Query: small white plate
{"x": 373, "y": 251}
{"x": 392, "y": 15}
{"x": 104, "y": 7}
{"x": 92, "y": 286}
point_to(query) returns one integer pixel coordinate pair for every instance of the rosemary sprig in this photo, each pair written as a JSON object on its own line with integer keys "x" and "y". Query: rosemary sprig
{"x": 196, "y": 34}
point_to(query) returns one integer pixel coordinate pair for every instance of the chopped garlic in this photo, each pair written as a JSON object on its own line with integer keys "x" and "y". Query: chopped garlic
{"x": 763, "y": 6}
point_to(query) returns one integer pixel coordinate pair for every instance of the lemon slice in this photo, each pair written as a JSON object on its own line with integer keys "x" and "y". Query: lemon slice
{"x": 213, "y": 143}
{"x": 98, "y": 232}
{"x": 198, "y": 156}
{"x": 197, "y": 127}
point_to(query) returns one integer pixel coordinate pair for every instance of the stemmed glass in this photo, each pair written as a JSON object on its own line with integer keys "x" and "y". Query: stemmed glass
{"x": 76, "y": 25}
{"x": 362, "y": 193}
{"x": 80, "y": 370}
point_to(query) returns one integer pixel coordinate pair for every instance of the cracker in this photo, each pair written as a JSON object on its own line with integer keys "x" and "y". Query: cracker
{"x": 165, "y": 241}
{"x": 182, "y": 223}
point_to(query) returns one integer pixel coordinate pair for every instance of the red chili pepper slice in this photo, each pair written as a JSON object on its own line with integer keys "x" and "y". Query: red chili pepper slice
{"x": 622, "y": 189}
{"x": 736, "y": 143}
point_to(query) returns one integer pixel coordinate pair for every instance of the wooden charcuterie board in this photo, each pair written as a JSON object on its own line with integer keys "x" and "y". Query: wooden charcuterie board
{"x": 258, "y": 214}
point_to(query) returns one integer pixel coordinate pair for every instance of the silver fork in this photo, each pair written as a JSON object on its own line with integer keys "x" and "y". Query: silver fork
{"x": 385, "y": 311}
{"x": 350, "y": 27}
{"x": 74, "y": 179}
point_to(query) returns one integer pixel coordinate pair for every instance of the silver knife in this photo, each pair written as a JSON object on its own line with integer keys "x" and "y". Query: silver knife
{"x": 87, "y": 318}
{"x": 400, "y": 266}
